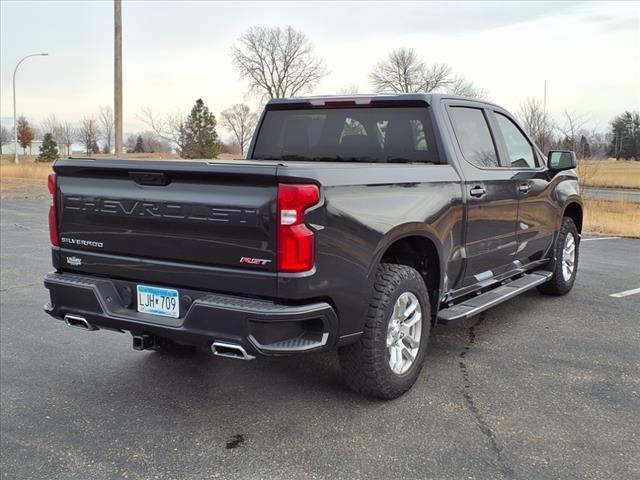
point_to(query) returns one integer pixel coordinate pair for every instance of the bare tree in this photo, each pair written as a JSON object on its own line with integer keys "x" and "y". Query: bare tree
{"x": 5, "y": 138}
{"x": 167, "y": 127}
{"x": 350, "y": 89}
{"x": 277, "y": 62}
{"x": 401, "y": 72}
{"x": 537, "y": 123}
{"x": 466, "y": 88}
{"x": 436, "y": 77}
{"x": 404, "y": 72}
{"x": 573, "y": 130}
{"x": 106, "y": 123}
{"x": 88, "y": 135}
{"x": 240, "y": 121}
{"x": 151, "y": 143}
{"x": 52, "y": 125}
{"x": 68, "y": 134}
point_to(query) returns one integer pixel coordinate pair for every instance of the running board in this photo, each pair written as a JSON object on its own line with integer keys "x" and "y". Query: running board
{"x": 475, "y": 305}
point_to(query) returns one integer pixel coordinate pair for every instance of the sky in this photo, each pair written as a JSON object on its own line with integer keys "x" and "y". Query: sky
{"x": 175, "y": 52}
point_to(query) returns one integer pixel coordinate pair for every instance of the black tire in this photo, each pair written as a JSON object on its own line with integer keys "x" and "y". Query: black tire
{"x": 168, "y": 347}
{"x": 365, "y": 364}
{"x": 559, "y": 285}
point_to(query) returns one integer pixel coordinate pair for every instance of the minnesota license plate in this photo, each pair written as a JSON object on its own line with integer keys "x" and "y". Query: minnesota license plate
{"x": 158, "y": 301}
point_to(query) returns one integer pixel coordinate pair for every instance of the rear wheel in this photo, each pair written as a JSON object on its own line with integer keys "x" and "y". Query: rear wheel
{"x": 386, "y": 361}
{"x": 565, "y": 266}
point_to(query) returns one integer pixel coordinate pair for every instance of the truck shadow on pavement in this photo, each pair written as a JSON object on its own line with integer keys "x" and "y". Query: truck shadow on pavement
{"x": 210, "y": 379}
{"x": 216, "y": 380}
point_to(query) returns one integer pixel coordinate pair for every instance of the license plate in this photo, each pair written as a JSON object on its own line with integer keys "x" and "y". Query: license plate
{"x": 158, "y": 301}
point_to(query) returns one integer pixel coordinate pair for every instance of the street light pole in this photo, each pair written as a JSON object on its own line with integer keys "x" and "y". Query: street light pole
{"x": 15, "y": 122}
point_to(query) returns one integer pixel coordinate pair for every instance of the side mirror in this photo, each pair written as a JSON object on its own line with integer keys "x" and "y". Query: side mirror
{"x": 562, "y": 160}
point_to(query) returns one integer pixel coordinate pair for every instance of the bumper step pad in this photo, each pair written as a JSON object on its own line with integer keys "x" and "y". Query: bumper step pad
{"x": 304, "y": 342}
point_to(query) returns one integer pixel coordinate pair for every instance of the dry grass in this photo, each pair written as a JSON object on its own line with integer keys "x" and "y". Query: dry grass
{"x": 609, "y": 173}
{"x": 618, "y": 217}
{"x": 602, "y": 216}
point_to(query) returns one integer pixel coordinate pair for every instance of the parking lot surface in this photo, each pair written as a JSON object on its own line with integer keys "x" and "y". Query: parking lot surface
{"x": 537, "y": 388}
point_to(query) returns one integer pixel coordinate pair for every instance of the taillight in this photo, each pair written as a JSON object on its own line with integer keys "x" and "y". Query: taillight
{"x": 296, "y": 243}
{"x": 53, "y": 210}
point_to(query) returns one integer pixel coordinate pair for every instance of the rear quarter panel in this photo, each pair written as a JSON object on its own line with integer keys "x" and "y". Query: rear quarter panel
{"x": 364, "y": 208}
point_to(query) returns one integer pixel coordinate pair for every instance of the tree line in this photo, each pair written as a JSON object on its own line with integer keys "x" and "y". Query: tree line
{"x": 622, "y": 141}
{"x": 281, "y": 62}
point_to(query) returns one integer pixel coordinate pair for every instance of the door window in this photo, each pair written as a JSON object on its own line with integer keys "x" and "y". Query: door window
{"x": 519, "y": 149}
{"x": 474, "y": 138}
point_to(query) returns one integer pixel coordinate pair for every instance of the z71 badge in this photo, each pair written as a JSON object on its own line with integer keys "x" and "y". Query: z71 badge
{"x": 74, "y": 261}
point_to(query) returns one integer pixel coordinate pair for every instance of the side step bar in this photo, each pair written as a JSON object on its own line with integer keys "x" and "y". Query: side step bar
{"x": 475, "y": 305}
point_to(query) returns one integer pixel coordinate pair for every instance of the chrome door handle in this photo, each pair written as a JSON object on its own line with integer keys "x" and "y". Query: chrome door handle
{"x": 477, "y": 191}
{"x": 524, "y": 188}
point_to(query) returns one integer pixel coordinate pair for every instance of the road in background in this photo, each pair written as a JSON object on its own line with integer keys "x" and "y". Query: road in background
{"x": 539, "y": 387}
{"x": 613, "y": 193}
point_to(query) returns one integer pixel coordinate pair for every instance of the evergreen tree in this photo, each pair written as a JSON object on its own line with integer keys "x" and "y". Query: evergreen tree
{"x": 585, "y": 148}
{"x": 139, "y": 148}
{"x": 48, "y": 149}
{"x": 198, "y": 135}
{"x": 625, "y": 136}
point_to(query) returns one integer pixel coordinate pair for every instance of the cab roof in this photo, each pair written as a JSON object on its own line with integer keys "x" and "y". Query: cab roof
{"x": 365, "y": 99}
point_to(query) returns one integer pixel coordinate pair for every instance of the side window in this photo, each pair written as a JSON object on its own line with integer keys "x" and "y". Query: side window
{"x": 474, "y": 138}
{"x": 519, "y": 149}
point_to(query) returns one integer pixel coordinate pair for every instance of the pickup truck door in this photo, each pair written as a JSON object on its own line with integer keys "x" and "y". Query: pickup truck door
{"x": 537, "y": 214}
{"x": 492, "y": 205}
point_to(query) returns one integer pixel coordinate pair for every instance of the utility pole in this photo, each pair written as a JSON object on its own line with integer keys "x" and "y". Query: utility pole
{"x": 544, "y": 110}
{"x": 118, "y": 76}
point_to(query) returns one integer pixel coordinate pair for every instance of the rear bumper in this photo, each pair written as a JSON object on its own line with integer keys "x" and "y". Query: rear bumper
{"x": 261, "y": 327}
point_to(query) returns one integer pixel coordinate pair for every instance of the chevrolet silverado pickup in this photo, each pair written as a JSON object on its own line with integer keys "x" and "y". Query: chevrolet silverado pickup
{"x": 355, "y": 223}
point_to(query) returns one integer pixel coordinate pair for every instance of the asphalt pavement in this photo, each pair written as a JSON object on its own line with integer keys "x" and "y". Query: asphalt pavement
{"x": 537, "y": 388}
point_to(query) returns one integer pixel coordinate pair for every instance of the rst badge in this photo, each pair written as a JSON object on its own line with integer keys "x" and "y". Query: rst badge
{"x": 254, "y": 261}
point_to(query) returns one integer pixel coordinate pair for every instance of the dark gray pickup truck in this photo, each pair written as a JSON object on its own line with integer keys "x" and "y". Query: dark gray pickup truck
{"x": 355, "y": 223}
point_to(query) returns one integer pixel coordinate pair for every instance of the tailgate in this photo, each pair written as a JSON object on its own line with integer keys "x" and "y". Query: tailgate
{"x": 205, "y": 214}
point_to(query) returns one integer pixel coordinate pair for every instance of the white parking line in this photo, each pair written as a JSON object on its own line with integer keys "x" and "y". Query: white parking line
{"x": 599, "y": 238}
{"x": 626, "y": 293}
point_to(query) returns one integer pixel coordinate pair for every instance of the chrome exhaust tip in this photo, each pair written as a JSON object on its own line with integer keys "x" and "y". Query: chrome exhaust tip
{"x": 76, "y": 321}
{"x": 230, "y": 350}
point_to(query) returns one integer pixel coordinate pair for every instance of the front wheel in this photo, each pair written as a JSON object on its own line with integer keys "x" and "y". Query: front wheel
{"x": 386, "y": 361}
{"x": 565, "y": 266}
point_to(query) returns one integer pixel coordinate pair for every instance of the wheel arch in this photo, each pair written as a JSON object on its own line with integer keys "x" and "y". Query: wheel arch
{"x": 419, "y": 250}
{"x": 574, "y": 211}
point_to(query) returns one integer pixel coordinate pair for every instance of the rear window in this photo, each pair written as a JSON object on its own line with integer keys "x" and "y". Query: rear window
{"x": 347, "y": 134}
{"x": 474, "y": 137}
